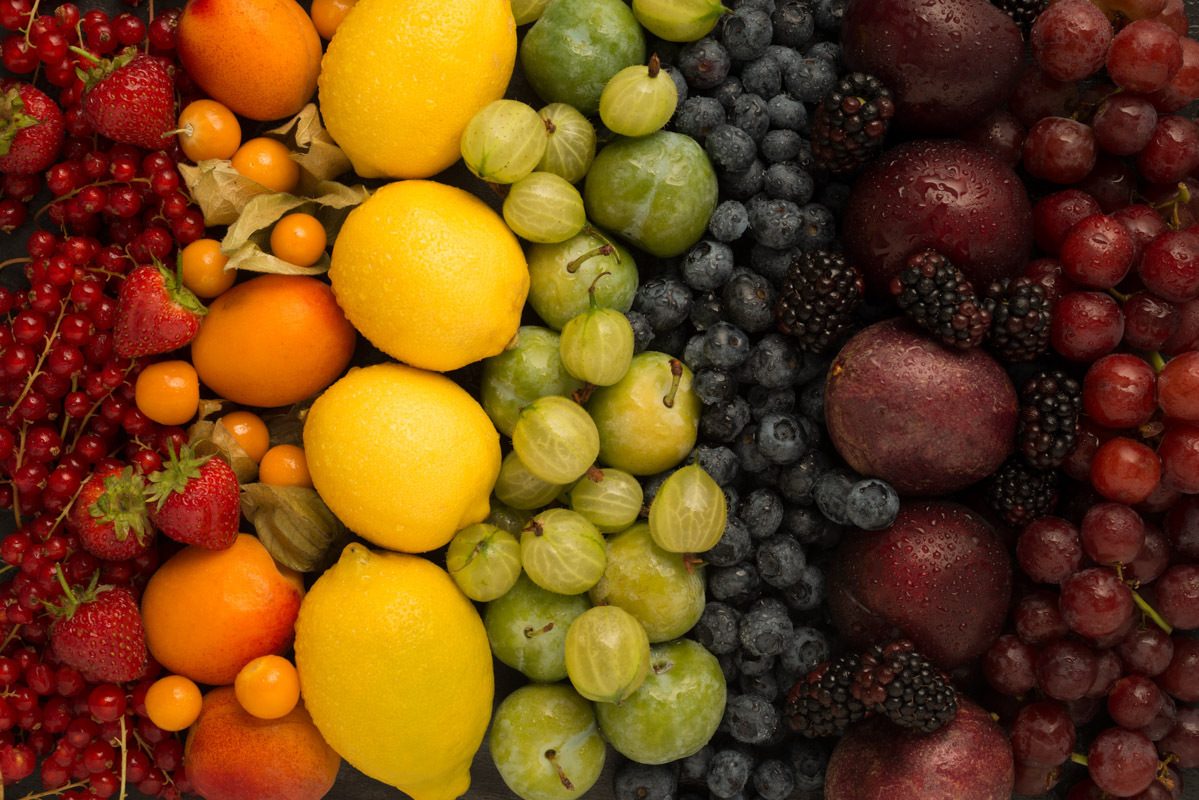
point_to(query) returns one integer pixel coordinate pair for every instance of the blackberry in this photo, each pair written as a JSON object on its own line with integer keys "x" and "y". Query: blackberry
{"x": 1050, "y": 406}
{"x": 817, "y": 299}
{"x": 849, "y": 124}
{"x": 1023, "y": 12}
{"x": 1020, "y": 317}
{"x": 823, "y": 703}
{"x": 938, "y": 297}
{"x": 1019, "y": 494}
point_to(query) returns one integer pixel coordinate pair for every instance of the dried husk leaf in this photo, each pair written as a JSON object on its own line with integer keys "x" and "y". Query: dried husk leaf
{"x": 294, "y": 525}
{"x": 219, "y": 190}
{"x": 213, "y": 438}
{"x": 288, "y": 427}
{"x": 313, "y": 148}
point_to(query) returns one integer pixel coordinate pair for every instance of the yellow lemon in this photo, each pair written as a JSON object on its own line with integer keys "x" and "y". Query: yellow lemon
{"x": 430, "y": 274}
{"x": 395, "y": 671}
{"x": 401, "y": 79}
{"x": 403, "y": 457}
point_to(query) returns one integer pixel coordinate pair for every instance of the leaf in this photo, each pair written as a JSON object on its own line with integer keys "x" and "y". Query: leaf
{"x": 313, "y": 148}
{"x": 294, "y": 525}
{"x": 220, "y": 190}
{"x": 288, "y": 427}
{"x": 247, "y": 241}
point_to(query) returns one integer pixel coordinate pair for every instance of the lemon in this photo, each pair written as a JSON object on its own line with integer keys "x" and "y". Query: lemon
{"x": 430, "y": 274}
{"x": 401, "y": 79}
{"x": 403, "y": 457}
{"x": 395, "y": 671}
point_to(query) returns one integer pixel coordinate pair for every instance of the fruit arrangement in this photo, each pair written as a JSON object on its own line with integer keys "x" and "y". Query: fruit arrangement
{"x": 782, "y": 399}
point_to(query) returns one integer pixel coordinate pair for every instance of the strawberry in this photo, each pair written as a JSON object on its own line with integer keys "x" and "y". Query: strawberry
{"x": 110, "y": 516}
{"x": 196, "y": 500}
{"x": 130, "y": 98}
{"x": 31, "y": 130}
{"x": 99, "y": 632}
{"x": 156, "y": 313}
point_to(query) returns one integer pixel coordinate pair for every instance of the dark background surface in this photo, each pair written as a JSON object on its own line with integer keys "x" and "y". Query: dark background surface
{"x": 351, "y": 784}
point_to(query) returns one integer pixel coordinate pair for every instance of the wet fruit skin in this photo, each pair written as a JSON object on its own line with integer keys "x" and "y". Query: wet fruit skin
{"x": 925, "y": 418}
{"x": 918, "y": 49}
{"x": 939, "y": 576}
{"x": 968, "y": 759}
{"x": 946, "y": 195}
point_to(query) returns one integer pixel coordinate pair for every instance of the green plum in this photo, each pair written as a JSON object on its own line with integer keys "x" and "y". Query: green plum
{"x": 545, "y": 743}
{"x": 649, "y": 419}
{"x": 561, "y": 276}
{"x": 679, "y": 20}
{"x": 576, "y": 46}
{"x": 676, "y": 710}
{"x": 527, "y": 628}
{"x": 529, "y": 369}
{"x": 664, "y": 591}
{"x": 655, "y": 191}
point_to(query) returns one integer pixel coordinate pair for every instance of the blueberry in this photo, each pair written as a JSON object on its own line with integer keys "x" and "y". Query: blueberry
{"x": 717, "y": 628}
{"x": 872, "y": 504}
{"x": 651, "y": 485}
{"x": 781, "y": 439}
{"x": 743, "y": 185}
{"x": 817, "y": 229}
{"x": 749, "y": 302}
{"x": 774, "y": 223}
{"x": 698, "y": 116}
{"x": 732, "y": 500}
{"x": 670, "y": 341}
{"x": 774, "y": 780}
{"x": 729, "y": 772}
{"x": 770, "y": 263}
{"x": 807, "y": 649}
{"x": 780, "y": 561}
{"x": 835, "y": 197}
{"x": 714, "y": 386}
{"x": 723, "y": 421}
{"x": 707, "y": 265}
{"x": 829, "y": 51}
{"x": 748, "y": 453}
{"x": 729, "y": 221}
{"x": 693, "y": 351}
{"x": 705, "y": 64}
{"x": 762, "y": 5}
{"x": 804, "y": 523}
{"x": 799, "y": 480}
{"x": 762, "y": 512}
{"x": 794, "y": 24}
{"x": 786, "y": 181}
{"x": 752, "y": 115}
{"x": 786, "y": 114}
{"x": 635, "y": 781}
{"x": 731, "y": 149}
{"x": 774, "y": 362}
{"x": 832, "y": 494}
{"x": 643, "y": 332}
{"x": 733, "y": 547}
{"x": 762, "y": 76}
{"x": 777, "y": 145}
{"x": 719, "y": 462}
{"x": 829, "y": 14}
{"x": 737, "y": 584}
{"x": 765, "y": 628}
{"x": 680, "y": 83}
{"x": 746, "y": 33}
{"x": 811, "y": 399}
{"x": 750, "y": 719}
{"x": 751, "y": 665}
{"x": 808, "y": 593}
{"x": 728, "y": 666}
{"x": 811, "y": 79}
{"x": 665, "y": 301}
{"x": 809, "y": 758}
{"x": 694, "y": 768}
{"x": 728, "y": 92}
{"x": 726, "y": 346}
{"x": 765, "y": 686}
{"x": 706, "y": 311}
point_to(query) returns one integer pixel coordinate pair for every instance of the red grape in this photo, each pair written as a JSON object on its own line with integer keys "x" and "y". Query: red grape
{"x": 1143, "y": 56}
{"x": 1066, "y": 669}
{"x": 1118, "y": 391}
{"x": 1001, "y": 133}
{"x": 1058, "y": 149}
{"x": 1112, "y": 182}
{"x": 1010, "y": 666}
{"x": 1153, "y": 559}
{"x": 1178, "y": 387}
{"x": 1048, "y": 550}
{"x": 1186, "y": 335}
{"x": 1054, "y": 215}
{"x": 1122, "y": 762}
{"x": 1112, "y": 533}
{"x": 1042, "y": 734}
{"x": 1182, "y": 527}
{"x": 1034, "y": 780}
{"x": 1169, "y": 266}
{"x": 1181, "y": 678}
{"x": 1183, "y": 738}
{"x": 1037, "y": 96}
{"x": 1177, "y": 596}
{"x": 1134, "y": 701}
{"x": 1143, "y": 222}
{"x": 1174, "y": 15}
{"x": 1124, "y": 470}
{"x": 1172, "y": 152}
{"x": 1163, "y": 723}
{"x": 1095, "y": 603}
{"x": 1097, "y": 252}
{"x": 1183, "y": 88}
{"x": 1109, "y": 668}
{"x": 1038, "y": 619}
{"x": 1123, "y": 124}
{"x": 1147, "y": 650}
{"x": 1070, "y": 39}
{"x": 1179, "y": 454}
{"x": 1048, "y": 273}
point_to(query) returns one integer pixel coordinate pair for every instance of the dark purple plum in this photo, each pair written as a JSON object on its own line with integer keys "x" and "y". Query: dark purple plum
{"x": 948, "y": 62}
{"x": 950, "y": 196}
{"x": 968, "y": 759}
{"x": 926, "y": 418}
{"x": 940, "y": 575}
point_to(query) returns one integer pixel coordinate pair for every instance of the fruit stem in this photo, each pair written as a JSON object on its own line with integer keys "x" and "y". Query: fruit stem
{"x": 1151, "y": 612}
{"x": 1159, "y": 363}
{"x": 591, "y": 288}
{"x": 79, "y": 51}
{"x": 1079, "y": 758}
{"x": 580, "y": 396}
{"x": 124, "y": 761}
{"x": 1120, "y": 296}
{"x": 535, "y": 527}
{"x": 676, "y": 377}
{"x": 591, "y": 230}
{"x": 12, "y": 261}
{"x": 655, "y": 65}
{"x": 550, "y": 127}
{"x": 60, "y": 789}
{"x": 603, "y": 250}
{"x": 552, "y": 756}
{"x": 530, "y": 631}
{"x": 1164, "y": 776}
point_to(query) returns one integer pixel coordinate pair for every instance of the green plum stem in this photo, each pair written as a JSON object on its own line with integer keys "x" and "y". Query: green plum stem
{"x": 603, "y": 250}
{"x": 530, "y": 632}
{"x": 591, "y": 289}
{"x": 551, "y": 755}
{"x": 676, "y": 377}
{"x": 591, "y": 230}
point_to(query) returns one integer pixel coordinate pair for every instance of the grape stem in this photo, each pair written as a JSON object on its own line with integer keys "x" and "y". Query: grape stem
{"x": 1159, "y": 363}
{"x": 1151, "y": 612}
{"x": 1079, "y": 758}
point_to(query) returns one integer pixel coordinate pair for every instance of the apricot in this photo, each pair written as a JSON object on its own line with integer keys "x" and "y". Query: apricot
{"x": 260, "y": 58}
{"x": 231, "y": 755}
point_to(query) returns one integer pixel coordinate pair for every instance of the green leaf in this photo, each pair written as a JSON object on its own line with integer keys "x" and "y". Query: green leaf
{"x": 294, "y": 525}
